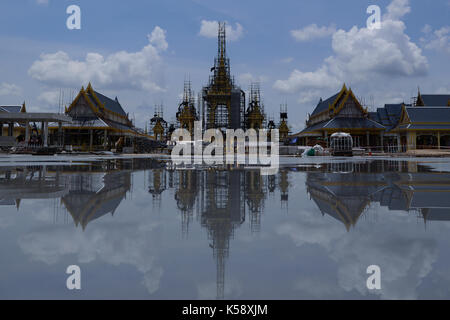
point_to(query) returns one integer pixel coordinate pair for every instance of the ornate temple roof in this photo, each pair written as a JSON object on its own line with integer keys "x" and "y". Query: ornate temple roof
{"x": 389, "y": 116}
{"x": 345, "y": 123}
{"x": 424, "y": 118}
{"x": 323, "y": 105}
{"x": 428, "y": 114}
{"x": 110, "y": 104}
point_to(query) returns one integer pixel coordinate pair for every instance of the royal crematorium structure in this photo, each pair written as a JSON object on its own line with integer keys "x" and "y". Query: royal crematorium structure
{"x": 422, "y": 124}
{"x": 222, "y": 104}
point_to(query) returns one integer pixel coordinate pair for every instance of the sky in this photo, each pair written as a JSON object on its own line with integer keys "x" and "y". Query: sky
{"x": 297, "y": 50}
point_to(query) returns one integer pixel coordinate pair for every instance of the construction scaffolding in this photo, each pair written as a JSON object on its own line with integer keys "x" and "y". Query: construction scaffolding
{"x": 187, "y": 114}
{"x": 158, "y": 126}
{"x": 255, "y": 117}
{"x": 283, "y": 126}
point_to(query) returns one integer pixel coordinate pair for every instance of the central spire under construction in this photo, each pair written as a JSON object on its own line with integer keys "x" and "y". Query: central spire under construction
{"x": 223, "y": 102}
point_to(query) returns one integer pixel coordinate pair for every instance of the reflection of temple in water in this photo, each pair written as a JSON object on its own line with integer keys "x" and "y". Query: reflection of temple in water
{"x": 94, "y": 191}
{"x": 29, "y": 183}
{"x": 402, "y": 186}
{"x": 342, "y": 196}
{"x": 87, "y": 192}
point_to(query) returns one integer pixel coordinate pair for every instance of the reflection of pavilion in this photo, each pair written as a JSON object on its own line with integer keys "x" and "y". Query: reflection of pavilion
{"x": 426, "y": 193}
{"x": 345, "y": 196}
{"x": 342, "y": 196}
{"x": 86, "y": 194}
{"x": 29, "y": 183}
{"x": 92, "y": 195}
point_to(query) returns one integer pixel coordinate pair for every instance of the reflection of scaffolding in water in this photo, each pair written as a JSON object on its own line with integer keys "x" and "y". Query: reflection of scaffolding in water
{"x": 224, "y": 209}
{"x": 271, "y": 183}
{"x": 255, "y": 194}
{"x": 186, "y": 195}
{"x": 220, "y": 198}
{"x": 284, "y": 188}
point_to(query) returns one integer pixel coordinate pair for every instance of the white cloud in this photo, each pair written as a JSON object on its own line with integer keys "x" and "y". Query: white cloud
{"x": 158, "y": 38}
{"x": 102, "y": 244}
{"x": 427, "y": 28}
{"x": 404, "y": 266}
{"x": 299, "y": 80}
{"x": 287, "y": 60}
{"x": 309, "y": 96}
{"x": 248, "y": 78}
{"x": 387, "y": 51}
{"x": 363, "y": 56}
{"x": 50, "y": 98}
{"x": 312, "y": 32}
{"x": 9, "y": 89}
{"x": 397, "y": 9}
{"x": 405, "y": 256}
{"x": 209, "y": 29}
{"x": 437, "y": 40}
{"x": 121, "y": 70}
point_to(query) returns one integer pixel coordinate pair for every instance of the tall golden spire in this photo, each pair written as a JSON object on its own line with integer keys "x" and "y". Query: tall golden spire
{"x": 222, "y": 42}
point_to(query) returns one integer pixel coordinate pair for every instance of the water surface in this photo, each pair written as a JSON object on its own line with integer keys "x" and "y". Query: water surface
{"x": 141, "y": 229}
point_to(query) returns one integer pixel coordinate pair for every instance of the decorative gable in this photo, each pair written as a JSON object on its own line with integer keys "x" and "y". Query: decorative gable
{"x": 81, "y": 109}
{"x": 349, "y": 107}
{"x": 404, "y": 118}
